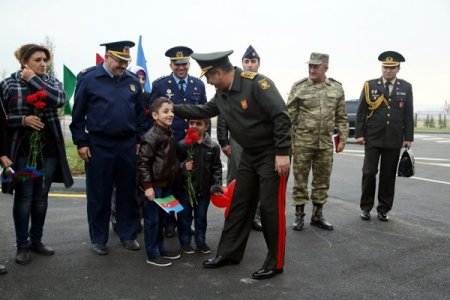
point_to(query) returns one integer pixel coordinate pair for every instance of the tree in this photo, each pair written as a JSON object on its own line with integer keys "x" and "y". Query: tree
{"x": 51, "y": 47}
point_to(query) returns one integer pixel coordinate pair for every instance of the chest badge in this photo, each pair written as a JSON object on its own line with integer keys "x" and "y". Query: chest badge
{"x": 132, "y": 87}
{"x": 169, "y": 93}
{"x": 400, "y": 104}
{"x": 244, "y": 104}
{"x": 264, "y": 84}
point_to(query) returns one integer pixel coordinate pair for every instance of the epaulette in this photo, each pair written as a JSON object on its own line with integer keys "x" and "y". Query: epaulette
{"x": 160, "y": 78}
{"x": 300, "y": 81}
{"x": 84, "y": 71}
{"x": 334, "y": 80}
{"x": 249, "y": 75}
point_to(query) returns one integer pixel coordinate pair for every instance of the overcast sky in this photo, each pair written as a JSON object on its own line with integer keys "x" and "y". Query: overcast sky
{"x": 284, "y": 33}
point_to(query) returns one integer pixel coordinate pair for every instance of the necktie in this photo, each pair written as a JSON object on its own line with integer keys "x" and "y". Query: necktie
{"x": 181, "y": 83}
{"x": 386, "y": 89}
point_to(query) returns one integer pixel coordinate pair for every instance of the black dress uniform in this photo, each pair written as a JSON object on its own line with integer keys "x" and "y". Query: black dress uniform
{"x": 258, "y": 120}
{"x": 385, "y": 119}
{"x": 108, "y": 117}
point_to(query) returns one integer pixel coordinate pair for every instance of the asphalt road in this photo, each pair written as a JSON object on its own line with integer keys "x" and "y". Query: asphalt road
{"x": 405, "y": 258}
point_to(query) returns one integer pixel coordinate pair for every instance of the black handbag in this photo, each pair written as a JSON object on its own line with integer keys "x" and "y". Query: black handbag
{"x": 406, "y": 165}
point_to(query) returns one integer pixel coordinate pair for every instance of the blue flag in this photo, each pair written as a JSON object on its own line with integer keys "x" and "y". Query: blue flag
{"x": 142, "y": 62}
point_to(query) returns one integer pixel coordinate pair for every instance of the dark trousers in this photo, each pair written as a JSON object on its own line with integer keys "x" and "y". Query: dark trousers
{"x": 154, "y": 219}
{"x": 387, "y": 159}
{"x": 256, "y": 176}
{"x": 198, "y": 213}
{"x": 113, "y": 163}
{"x": 31, "y": 202}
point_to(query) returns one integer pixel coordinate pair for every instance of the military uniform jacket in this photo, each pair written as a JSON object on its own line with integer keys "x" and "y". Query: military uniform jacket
{"x": 107, "y": 106}
{"x": 389, "y": 125}
{"x": 194, "y": 94}
{"x": 254, "y": 110}
{"x": 316, "y": 110}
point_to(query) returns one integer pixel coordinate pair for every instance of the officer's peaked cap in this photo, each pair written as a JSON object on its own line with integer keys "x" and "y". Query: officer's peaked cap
{"x": 179, "y": 54}
{"x": 120, "y": 50}
{"x": 208, "y": 61}
{"x": 391, "y": 58}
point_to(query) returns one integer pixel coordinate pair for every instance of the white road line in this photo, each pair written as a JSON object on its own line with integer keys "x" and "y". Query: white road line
{"x": 430, "y": 180}
{"x": 432, "y": 139}
{"x": 446, "y": 141}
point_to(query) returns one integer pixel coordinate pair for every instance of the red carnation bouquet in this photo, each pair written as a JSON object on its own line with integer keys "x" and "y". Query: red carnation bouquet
{"x": 190, "y": 138}
{"x": 36, "y": 101}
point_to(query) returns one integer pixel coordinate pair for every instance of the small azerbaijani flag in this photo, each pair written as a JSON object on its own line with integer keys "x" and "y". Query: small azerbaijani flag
{"x": 169, "y": 204}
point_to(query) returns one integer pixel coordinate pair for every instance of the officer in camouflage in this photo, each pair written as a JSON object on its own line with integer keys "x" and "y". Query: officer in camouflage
{"x": 316, "y": 107}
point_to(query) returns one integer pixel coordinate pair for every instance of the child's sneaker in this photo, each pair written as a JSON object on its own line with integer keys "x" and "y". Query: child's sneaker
{"x": 170, "y": 255}
{"x": 187, "y": 249}
{"x": 159, "y": 261}
{"x": 204, "y": 249}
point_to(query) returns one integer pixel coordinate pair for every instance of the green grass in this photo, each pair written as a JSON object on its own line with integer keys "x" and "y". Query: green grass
{"x": 76, "y": 164}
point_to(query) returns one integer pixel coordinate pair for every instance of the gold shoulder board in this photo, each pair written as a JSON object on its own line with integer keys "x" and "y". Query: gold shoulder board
{"x": 248, "y": 75}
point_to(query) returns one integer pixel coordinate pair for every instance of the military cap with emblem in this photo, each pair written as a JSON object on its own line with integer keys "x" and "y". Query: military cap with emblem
{"x": 208, "y": 61}
{"x": 120, "y": 50}
{"x": 318, "y": 58}
{"x": 250, "y": 53}
{"x": 179, "y": 54}
{"x": 391, "y": 58}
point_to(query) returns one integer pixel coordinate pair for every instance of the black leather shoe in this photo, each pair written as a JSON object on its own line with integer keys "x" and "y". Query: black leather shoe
{"x": 321, "y": 223}
{"x": 99, "y": 249}
{"x": 383, "y": 217}
{"x": 23, "y": 256}
{"x": 131, "y": 245}
{"x": 265, "y": 274}
{"x": 38, "y": 247}
{"x": 219, "y": 261}
{"x": 3, "y": 269}
{"x": 257, "y": 226}
{"x": 365, "y": 215}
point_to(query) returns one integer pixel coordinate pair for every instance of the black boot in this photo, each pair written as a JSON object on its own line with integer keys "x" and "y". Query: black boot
{"x": 23, "y": 256}
{"x": 299, "y": 222}
{"x": 318, "y": 220}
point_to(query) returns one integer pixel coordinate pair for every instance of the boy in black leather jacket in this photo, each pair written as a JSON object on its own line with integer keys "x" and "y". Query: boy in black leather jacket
{"x": 206, "y": 171}
{"x": 157, "y": 170}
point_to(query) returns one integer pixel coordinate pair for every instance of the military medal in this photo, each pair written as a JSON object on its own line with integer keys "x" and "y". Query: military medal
{"x": 244, "y": 104}
{"x": 132, "y": 87}
{"x": 400, "y": 104}
{"x": 169, "y": 93}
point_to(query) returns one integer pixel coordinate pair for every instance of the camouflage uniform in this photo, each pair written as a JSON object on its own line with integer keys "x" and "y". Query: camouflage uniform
{"x": 315, "y": 111}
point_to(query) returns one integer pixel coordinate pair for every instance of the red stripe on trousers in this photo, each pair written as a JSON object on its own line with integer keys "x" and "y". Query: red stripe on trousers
{"x": 281, "y": 222}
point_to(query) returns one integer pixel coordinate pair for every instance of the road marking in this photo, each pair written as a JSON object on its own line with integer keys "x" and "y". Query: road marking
{"x": 446, "y": 141}
{"x": 430, "y": 180}
{"x": 59, "y": 195}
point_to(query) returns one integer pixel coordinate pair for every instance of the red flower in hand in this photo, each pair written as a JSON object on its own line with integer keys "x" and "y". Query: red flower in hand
{"x": 41, "y": 94}
{"x": 32, "y": 98}
{"x": 191, "y": 136}
{"x": 40, "y": 104}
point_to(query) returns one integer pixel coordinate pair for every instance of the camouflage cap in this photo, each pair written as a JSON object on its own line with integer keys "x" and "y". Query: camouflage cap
{"x": 318, "y": 58}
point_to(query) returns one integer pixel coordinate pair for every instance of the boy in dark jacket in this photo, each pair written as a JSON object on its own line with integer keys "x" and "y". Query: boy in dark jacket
{"x": 157, "y": 170}
{"x": 206, "y": 171}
